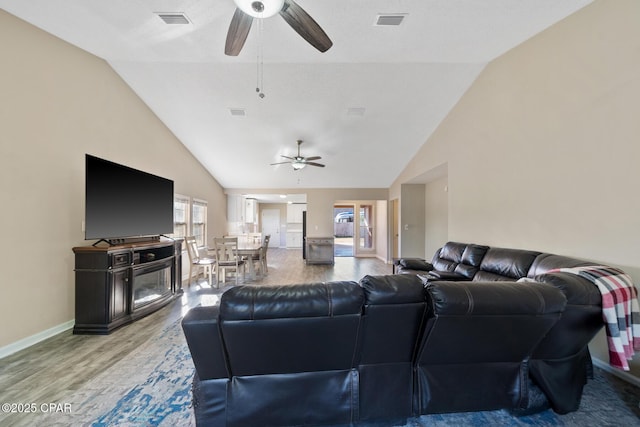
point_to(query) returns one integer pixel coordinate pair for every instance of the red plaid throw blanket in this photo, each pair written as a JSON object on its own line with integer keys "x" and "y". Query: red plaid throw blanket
{"x": 619, "y": 310}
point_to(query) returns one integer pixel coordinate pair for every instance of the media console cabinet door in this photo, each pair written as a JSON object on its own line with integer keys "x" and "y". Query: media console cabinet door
{"x": 119, "y": 291}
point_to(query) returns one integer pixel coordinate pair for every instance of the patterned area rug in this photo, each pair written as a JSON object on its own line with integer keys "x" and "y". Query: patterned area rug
{"x": 152, "y": 387}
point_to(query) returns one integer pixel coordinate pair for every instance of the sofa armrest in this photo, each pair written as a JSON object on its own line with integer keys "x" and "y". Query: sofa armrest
{"x": 579, "y": 291}
{"x": 446, "y": 275}
{"x": 201, "y": 329}
{"x": 415, "y": 264}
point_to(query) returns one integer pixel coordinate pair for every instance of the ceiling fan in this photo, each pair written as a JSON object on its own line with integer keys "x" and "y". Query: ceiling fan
{"x": 299, "y": 162}
{"x": 295, "y": 16}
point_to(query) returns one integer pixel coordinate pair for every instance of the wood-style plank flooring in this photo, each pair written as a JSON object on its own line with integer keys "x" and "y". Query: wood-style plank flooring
{"x": 58, "y": 366}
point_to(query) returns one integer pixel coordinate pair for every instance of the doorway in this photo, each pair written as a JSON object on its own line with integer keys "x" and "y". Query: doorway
{"x": 343, "y": 231}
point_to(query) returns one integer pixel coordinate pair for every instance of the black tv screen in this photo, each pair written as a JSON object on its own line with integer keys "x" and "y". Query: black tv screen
{"x": 125, "y": 202}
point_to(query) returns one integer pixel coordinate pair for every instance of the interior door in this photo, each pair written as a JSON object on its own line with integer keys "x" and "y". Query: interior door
{"x": 271, "y": 225}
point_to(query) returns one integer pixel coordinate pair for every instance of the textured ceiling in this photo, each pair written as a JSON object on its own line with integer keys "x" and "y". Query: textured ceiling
{"x": 406, "y": 78}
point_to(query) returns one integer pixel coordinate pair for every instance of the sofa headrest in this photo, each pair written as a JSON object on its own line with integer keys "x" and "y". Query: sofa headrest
{"x": 392, "y": 289}
{"x": 494, "y": 298}
{"x": 462, "y": 258}
{"x": 473, "y": 254}
{"x": 511, "y": 263}
{"x": 307, "y": 300}
{"x": 452, "y": 251}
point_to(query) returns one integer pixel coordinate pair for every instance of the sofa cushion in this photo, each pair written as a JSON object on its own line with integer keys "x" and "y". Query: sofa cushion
{"x": 466, "y": 271}
{"x": 452, "y": 251}
{"x": 461, "y": 258}
{"x": 510, "y": 263}
{"x": 444, "y": 265}
{"x": 308, "y": 300}
{"x": 473, "y": 254}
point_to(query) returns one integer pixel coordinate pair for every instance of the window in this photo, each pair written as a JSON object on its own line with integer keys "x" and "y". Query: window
{"x": 199, "y": 221}
{"x": 180, "y": 216}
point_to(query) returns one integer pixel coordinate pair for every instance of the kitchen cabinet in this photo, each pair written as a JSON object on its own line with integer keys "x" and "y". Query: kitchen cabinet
{"x": 294, "y": 212}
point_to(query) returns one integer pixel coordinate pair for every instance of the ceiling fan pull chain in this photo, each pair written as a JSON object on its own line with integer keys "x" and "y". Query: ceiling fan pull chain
{"x": 260, "y": 62}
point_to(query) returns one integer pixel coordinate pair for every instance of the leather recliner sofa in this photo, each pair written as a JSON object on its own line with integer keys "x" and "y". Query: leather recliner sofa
{"x": 388, "y": 347}
{"x": 561, "y": 363}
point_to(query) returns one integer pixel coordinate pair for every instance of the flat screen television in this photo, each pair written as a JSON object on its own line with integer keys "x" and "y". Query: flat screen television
{"x": 124, "y": 202}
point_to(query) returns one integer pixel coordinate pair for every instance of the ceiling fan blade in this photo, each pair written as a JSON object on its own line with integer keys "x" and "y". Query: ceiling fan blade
{"x": 304, "y": 25}
{"x": 238, "y": 32}
{"x": 287, "y": 157}
{"x": 313, "y": 158}
{"x": 279, "y": 163}
{"x": 314, "y": 164}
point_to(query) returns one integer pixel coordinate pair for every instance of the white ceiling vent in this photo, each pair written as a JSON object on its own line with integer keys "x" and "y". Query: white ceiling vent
{"x": 356, "y": 111}
{"x": 390, "y": 19}
{"x": 174, "y": 18}
{"x": 237, "y": 111}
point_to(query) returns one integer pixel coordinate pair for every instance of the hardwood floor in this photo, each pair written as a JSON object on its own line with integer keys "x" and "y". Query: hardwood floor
{"x": 58, "y": 366}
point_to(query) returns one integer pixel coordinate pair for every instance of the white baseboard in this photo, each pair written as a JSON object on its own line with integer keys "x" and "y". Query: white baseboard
{"x": 623, "y": 375}
{"x": 34, "y": 339}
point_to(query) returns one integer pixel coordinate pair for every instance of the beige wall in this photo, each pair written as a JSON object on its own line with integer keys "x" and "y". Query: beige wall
{"x": 543, "y": 149}
{"x": 436, "y": 215}
{"x": 58, "y": 103}
{"x": 382, "y": 231}
{"x": 412, "y": 220}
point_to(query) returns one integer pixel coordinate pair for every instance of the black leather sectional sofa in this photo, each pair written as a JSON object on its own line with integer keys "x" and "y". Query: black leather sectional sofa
{"x": 397, "y": 346}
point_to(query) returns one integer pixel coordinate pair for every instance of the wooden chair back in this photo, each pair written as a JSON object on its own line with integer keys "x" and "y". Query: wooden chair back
{"x": 192, "y": 249}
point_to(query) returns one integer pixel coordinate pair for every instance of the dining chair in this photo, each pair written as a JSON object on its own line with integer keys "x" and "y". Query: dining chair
{"x": 197, "y": 261}
{"x": 265, "y": 246}
{"x": 260, "y": 259}
{"x": 254, "y": 237}
{"x": 226, "y": 255}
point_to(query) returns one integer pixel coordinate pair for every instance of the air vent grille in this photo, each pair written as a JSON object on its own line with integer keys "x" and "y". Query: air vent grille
{"x": 356, "y": 111}
{"x": 237, "y": 111}
{"x": 390, "y": 19}
{"x": 176, "y": 18}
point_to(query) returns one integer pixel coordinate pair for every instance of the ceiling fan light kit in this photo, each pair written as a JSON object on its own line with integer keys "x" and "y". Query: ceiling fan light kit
{"x": 298, "y": 164}
{"x": 260, "y": 9}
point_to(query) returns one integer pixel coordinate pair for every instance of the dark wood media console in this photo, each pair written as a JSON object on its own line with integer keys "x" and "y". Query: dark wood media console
{"x": 118, "y": 284}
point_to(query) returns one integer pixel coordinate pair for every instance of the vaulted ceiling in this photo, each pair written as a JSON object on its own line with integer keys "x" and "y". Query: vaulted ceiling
{"x": 365, "y": 106}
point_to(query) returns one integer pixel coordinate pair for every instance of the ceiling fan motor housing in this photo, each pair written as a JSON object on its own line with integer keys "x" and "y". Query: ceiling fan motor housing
{"x": 260, "y": 9}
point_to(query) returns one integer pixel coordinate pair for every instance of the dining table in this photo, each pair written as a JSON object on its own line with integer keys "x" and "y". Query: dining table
{"x": 247, "y": 250}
